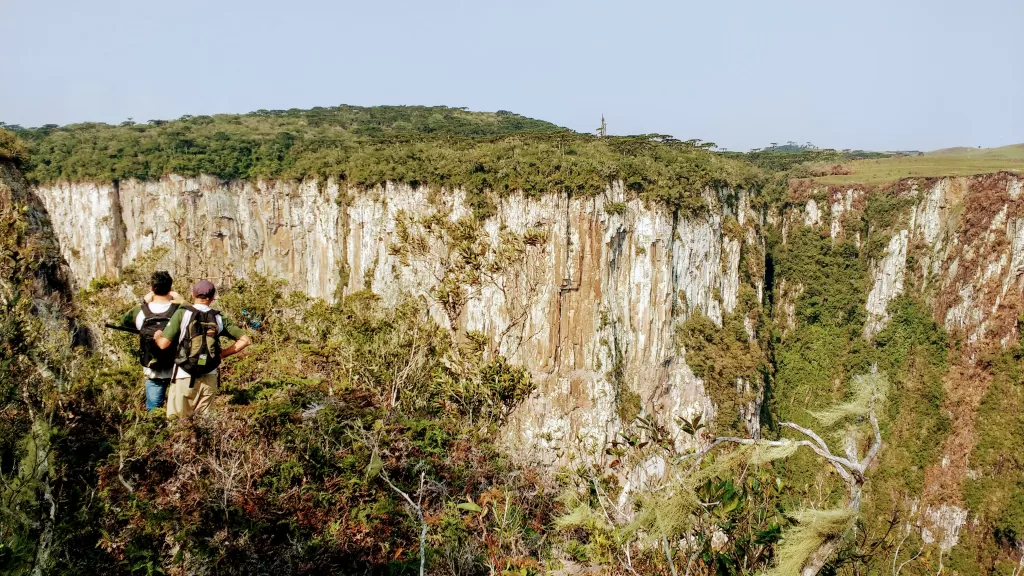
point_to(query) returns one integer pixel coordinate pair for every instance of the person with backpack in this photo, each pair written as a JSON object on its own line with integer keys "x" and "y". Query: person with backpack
{"x": 196, "y": 331}
{"x": 150, "y": 315}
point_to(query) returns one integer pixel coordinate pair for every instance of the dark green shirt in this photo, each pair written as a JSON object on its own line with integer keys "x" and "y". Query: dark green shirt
{"x": 128, "y": 320}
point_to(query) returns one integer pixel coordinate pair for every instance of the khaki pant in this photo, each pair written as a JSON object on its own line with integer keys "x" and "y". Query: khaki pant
{"x": 185, "y": 401}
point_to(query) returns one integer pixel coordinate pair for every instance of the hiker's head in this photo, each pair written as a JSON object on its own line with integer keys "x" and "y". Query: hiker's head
{"x": 160, "y": 283}
{"x": 204, "y": 290}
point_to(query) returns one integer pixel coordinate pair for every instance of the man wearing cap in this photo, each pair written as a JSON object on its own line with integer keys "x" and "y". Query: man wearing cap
{"x": 187, "y": 394}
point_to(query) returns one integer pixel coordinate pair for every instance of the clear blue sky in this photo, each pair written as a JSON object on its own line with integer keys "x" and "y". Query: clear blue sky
{"x": 896, "y": 74}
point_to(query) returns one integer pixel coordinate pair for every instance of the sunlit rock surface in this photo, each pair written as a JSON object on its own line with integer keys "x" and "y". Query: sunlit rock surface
{"x": 590, "y": 306}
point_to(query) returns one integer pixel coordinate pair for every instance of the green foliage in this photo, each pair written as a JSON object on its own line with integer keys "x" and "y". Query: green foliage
{"x": 833, "y": 275}
{"x": 36, "y": 365}
{"x": 883, "y": 210}
{"x": 911, "y": 332}
{"x": 914, "y": 350}
{"x": 615, "y": 208}
{"x": 723, "y": 358}
{"x": 814, "y": 360}
{"x": 12, "y": 149}
{"x": 325, "y": 391}
{"x": 783, "y": 158}
{"x": 994, "y": 493}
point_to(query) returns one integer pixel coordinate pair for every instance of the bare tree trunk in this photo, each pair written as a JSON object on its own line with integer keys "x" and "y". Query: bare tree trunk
{"x": 817, "y": 560}
{"x": 41, "y": 563}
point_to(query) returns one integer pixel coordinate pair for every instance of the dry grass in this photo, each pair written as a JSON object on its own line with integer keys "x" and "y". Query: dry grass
{"x": 965, "y": 386}
{"x": 947, "y": 162}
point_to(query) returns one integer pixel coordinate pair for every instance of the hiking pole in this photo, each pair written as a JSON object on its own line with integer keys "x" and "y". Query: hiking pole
{"x": 121, "y": 328}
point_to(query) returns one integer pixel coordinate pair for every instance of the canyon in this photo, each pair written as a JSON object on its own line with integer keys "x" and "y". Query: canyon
{"x": 591, "y": 293}
{"x": 597, "y": 283}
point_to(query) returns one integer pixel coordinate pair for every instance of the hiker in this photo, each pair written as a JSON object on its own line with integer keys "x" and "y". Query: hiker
{"x": 149, "y": 316}
{"x": 195, "y": 331}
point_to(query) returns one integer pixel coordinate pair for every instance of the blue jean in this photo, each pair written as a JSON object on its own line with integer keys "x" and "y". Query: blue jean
{"x": 156, "y": 392}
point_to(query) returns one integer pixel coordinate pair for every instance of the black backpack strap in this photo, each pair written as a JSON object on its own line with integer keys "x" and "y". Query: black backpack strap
{"x": 183, "y": 328}
{"x": 146, "y": 312}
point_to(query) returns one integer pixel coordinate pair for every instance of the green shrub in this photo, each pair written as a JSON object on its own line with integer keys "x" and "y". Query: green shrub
{"x": 721, "y": 357}
{"x": 12, "y": 149}
{"x": 615, "y": 208}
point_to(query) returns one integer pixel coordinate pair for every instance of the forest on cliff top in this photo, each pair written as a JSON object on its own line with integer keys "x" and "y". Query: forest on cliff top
{"x": 440, "y": 147}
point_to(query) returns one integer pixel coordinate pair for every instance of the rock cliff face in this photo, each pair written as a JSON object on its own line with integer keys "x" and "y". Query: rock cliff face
{"x": 958, "y": 245}
{"x": 585, "y": 292}
{"x": 588, "y": 292}
{"x": 291, "y": 231}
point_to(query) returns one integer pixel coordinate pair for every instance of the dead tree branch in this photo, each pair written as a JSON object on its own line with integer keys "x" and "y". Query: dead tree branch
{"x": 417, "y": 507}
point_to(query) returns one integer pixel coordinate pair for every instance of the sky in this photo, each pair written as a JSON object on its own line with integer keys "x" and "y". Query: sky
{"x": 878, "y": 75}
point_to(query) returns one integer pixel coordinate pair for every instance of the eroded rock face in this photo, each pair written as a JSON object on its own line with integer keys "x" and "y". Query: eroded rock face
{"x": 588, "y": 298}
{"x": 888, "y": 283}
{"x": 958, "y": 246}
{"x": 967, "y": 236}
{"x": 961, "y": 245}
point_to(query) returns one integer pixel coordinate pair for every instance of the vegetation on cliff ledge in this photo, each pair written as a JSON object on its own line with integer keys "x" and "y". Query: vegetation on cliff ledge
{"x": 12, "y": 149}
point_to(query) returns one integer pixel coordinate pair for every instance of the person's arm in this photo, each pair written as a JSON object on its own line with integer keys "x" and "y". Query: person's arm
{"x": 236, "y": 346}
{"x": 164, "y": 338}
{"x": 128, "y": 320}
{"x": 241, "y": 339}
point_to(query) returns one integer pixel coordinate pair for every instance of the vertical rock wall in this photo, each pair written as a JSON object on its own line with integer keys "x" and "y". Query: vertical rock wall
{"x": 589, "y": 300}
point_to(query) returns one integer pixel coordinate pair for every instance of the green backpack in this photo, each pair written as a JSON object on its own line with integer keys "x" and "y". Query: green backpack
{"x": 199, "y": 348}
